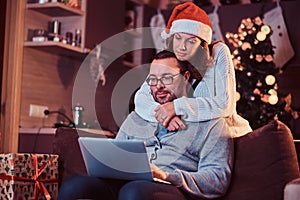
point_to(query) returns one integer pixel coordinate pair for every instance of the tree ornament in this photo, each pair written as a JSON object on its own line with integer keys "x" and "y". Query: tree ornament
{"x": 257, "y": 97}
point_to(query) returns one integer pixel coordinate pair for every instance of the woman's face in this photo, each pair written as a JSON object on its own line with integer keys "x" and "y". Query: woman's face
{"x": 185, "y": 45}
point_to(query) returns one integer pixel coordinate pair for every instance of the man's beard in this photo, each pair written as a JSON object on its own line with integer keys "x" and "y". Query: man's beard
{"x": 169, "y": 96}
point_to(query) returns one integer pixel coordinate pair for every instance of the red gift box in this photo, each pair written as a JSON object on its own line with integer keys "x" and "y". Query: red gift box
{"x": 28, "y": 176}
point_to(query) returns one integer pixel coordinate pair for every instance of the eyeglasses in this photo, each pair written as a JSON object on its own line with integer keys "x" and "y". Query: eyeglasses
{"x": 166, "y": 80}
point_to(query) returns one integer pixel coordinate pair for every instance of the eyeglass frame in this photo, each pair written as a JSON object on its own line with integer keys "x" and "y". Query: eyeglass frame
{"x": 160, "y": 79}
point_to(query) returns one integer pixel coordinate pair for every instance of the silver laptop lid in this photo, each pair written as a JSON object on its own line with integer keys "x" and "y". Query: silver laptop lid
{"x": 118, "y": 159}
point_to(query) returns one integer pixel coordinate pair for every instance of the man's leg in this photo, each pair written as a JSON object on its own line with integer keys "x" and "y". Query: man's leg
{"x": 146, "y": 190}
{"x": 87, "y": 187}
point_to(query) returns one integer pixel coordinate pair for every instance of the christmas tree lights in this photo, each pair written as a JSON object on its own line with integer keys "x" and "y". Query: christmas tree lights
{"x": 258, "y": 99}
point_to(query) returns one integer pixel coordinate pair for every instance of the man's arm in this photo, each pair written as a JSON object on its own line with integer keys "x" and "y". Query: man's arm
{"x": 214, "y": 167}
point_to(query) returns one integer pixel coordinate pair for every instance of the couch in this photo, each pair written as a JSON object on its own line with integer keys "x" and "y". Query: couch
{"x": 265, "y": 161}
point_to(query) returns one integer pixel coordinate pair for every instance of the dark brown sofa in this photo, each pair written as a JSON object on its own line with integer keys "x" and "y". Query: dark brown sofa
{"x": 265, "y": 161}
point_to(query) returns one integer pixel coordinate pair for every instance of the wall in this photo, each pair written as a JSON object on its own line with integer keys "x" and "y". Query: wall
{"x": 47, "y": 80}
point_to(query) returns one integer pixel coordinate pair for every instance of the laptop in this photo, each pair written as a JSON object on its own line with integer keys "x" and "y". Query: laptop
{"x": 117, "y": 159}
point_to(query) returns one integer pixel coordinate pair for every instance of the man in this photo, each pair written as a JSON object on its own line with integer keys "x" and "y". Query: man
{"x": 197, "y": 161}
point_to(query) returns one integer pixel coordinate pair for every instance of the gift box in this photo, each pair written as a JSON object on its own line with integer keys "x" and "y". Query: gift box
{"x": 28, "y": 176}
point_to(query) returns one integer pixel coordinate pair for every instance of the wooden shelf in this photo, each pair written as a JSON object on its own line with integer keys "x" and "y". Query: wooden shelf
{"x": 57, "y": 48}
{"x": 55, "y": 9}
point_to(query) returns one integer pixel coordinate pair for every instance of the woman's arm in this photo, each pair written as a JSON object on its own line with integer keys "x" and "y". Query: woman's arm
{"x": 215, "y": 94}
{"x": 145, "y": 104}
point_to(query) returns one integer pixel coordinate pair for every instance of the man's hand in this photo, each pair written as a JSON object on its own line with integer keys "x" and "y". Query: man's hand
{"x": 158, "y": 173}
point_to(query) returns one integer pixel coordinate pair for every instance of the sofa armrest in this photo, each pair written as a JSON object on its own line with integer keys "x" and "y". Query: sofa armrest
{"x": 292, "y": 190}
{"x": 66, "y": 145}
{"x": 265, "y": 161}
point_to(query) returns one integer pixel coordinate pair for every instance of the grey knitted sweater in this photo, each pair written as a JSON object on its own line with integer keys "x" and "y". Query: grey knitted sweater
{"x": 198, "y": 160}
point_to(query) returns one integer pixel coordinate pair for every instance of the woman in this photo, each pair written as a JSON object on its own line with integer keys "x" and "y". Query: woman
{"x": 189, "y": 33}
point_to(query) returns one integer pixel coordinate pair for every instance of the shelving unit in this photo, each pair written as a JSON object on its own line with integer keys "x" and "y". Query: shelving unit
{"x": 37, "y": 17}
{"x": 57, "y": 48}
{"x": 55, "y": 9}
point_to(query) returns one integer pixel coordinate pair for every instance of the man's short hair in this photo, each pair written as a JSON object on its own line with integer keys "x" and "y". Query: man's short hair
{"x": 183, "y": 65}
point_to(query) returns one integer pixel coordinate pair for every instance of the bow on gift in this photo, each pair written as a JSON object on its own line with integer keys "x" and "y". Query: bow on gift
{"x": 39, "y": 186}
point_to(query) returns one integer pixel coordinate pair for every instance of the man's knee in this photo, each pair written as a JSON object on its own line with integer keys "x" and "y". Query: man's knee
{"x": 67, "y": 188}
{"x": 134, "y": 190}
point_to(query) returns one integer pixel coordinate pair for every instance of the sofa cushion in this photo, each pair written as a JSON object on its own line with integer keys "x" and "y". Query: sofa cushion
{"x": 265, "y": 161}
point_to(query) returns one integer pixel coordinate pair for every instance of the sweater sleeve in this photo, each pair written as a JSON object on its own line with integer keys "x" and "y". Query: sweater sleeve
{"x": 213, "y": 176}
{"x": 215, "y": 94}
{"x": 145, "y": 104}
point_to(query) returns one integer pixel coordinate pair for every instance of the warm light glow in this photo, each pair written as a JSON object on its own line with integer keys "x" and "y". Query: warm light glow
{"x": 272, "y": 92}
{"x": 270, "y": 79}
{"x": 245, "y": 45}
{"x": 237, "y": 96}
{"x": 273, "y": 99}
{"x": 258, "y": 84}
{"x": 265, "y": 29}
{"x": 261, "y": 36}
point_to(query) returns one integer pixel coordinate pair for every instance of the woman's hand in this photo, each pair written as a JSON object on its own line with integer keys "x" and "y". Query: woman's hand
{"x": 175, "y": 124}
{"x": 164, "y": 113}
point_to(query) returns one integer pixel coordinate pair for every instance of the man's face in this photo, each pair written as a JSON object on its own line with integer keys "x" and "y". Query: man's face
{"x": 164, "y": 69}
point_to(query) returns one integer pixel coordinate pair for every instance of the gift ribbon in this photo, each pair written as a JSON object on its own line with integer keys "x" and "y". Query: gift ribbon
{"x": 39, "y": 184}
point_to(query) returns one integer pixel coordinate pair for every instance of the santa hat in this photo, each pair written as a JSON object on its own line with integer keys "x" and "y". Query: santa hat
{"x": 191, "y": 19}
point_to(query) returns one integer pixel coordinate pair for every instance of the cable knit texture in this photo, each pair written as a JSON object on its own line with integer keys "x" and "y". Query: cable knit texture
{"x": 198, "y": 160}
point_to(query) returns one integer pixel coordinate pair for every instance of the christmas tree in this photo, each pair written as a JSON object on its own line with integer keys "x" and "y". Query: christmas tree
{"x": 258, "y": 99}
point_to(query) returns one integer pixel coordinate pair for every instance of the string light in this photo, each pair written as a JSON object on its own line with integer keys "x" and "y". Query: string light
{"x": 270, "y": 80}
{"x": 257, "y": 97}
{"x": 272, "y": 92}
{"x": 265, "y": 29}
{"x": 273, "y": 99}
{"x": 260, "y": 36}
{"x": 237, "y": 96}
{"x": 258, "y": 84}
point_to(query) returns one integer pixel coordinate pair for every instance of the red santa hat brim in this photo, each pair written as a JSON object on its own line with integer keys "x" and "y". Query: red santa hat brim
{"x": 192, "y": 27}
